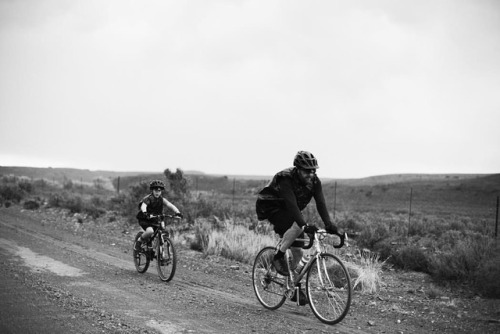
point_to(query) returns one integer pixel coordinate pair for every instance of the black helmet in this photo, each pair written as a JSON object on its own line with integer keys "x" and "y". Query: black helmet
{"x": 305, "y": 160}
{"x": 156, "y": 184}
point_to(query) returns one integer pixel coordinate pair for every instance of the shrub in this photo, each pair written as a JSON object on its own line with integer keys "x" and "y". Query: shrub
{"x": 177, "y": 183}
{"x": 97, "y": 201}
{"x": 25, "y": 185}
{"x": 486, "y": 277}
{"x": 55, "y": 201}
{"x": 410, "y": 257}
{"x": 201, "y": 236}
{"x": 74, "y": 204}
{"x": 68, "y": 185}
{"x": 11, "y": 192}
{"x": 464, "y": 259}
{"x": 210, "y": 207}
{"x": 373, "y": 234}
{"x": 31, "y": 205}
{"x": 94, "y": 211}
{"x": 351, "y": 225}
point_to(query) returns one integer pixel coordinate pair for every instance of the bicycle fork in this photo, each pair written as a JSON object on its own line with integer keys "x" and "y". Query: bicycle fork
{"x": 165, "y": 254}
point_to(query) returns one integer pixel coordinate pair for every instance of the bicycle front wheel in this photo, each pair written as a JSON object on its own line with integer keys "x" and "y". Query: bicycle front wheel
{"x": 269, "y": 286}
{"x": 141, "y": 259}
{"x": 167, "y": 259}
{"x": 329, "y": 289}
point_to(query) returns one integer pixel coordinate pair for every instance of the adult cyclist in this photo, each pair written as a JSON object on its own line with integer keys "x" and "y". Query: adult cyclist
{"x": 281, "y": 203}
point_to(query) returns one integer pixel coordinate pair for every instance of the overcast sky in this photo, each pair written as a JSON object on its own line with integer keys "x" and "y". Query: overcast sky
{"x": 238, "y": 87}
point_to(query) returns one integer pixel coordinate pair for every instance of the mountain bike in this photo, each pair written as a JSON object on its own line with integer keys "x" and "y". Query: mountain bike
{"x": 328, "y": 284}
{"x": 160, "y": 247}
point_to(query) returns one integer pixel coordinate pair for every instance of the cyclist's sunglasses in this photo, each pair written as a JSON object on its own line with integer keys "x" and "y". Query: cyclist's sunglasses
{"x": 158, "y": 189}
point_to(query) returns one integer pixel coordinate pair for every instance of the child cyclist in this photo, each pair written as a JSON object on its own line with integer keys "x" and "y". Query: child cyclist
{"x": 153, "y": 204}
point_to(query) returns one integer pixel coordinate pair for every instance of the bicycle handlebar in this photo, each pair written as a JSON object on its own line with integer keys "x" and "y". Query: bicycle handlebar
{"x": 162, "y": 216}
{"x": 342, "y": 239}
{"x": 311, "y": 236}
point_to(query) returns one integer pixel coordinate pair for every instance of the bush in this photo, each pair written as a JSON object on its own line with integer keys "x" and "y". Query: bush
{"x": 74, "y": 204}
{"x": 464, "y": 259}
{"x": 68, "y": 185}
{"x": 55, "y": 201}
{"x": 25, "y": 185}
{"x": 373, "y": 234}
{"x": 486, "y": 278}
{"x": 11, "y": 192}
{"x": 201, "y": 236}
{"x": 31, "y": 205}
{"x": 410, "y": 258}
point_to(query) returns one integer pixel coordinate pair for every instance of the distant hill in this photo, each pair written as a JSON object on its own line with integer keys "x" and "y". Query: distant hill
{"x": 63, "y": 174}
{"x": 406, "y": 178}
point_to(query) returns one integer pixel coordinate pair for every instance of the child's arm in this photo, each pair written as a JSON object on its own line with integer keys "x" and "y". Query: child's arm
{"x": 170, "y": 206}
{"x": 144, "y": 207}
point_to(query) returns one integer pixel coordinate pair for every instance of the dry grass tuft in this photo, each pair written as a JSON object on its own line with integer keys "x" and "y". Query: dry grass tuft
{"x": 365, "y": 270}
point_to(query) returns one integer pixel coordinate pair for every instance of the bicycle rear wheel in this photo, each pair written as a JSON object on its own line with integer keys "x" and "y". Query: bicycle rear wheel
{"x": 329, "y": 289}
{"x": 166, "y": 259}
{"x": 269, "y": 286}
{"x": 141, "y": 260}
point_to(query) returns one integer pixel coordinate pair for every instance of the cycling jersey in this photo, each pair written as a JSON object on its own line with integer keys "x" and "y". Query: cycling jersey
{"x": 283, "y": 199}
{"x": 154, "y": 204}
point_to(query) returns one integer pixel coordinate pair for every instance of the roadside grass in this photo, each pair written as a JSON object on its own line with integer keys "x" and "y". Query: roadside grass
{"x": 230, "y": 240}
{"x": 365, "y": 269}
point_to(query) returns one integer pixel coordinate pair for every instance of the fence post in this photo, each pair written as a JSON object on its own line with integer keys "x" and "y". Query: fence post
{"x": 409, "y": 212}
{"x": 496, "y": 219}
{"x": 334, "y": 199}
{"x": 118, "y": 186}
{"x": 234, "y": 182}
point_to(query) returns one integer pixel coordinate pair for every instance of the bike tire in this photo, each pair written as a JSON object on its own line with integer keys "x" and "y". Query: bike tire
{"x": 166, "y": 259}
{"x": 329, "y": 289}
{"x": 269, "y": 286}
{"x": 141, "y": 259}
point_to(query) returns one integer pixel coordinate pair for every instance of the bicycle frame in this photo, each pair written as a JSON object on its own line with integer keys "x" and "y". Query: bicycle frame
{"x": 319, "y": 248}
{"x": 160, "y": 227}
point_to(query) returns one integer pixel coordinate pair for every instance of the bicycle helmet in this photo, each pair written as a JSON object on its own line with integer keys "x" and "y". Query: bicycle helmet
{"x": 156, "y": 184}
{"x": 305, "y": 160}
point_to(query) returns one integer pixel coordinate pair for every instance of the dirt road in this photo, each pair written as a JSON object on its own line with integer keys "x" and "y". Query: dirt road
{"x": 61, "y": 276}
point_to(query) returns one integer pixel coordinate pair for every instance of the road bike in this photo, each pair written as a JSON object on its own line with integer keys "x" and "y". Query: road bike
{"x": 328, "y": 284}
{"x": 160, "y": 247}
